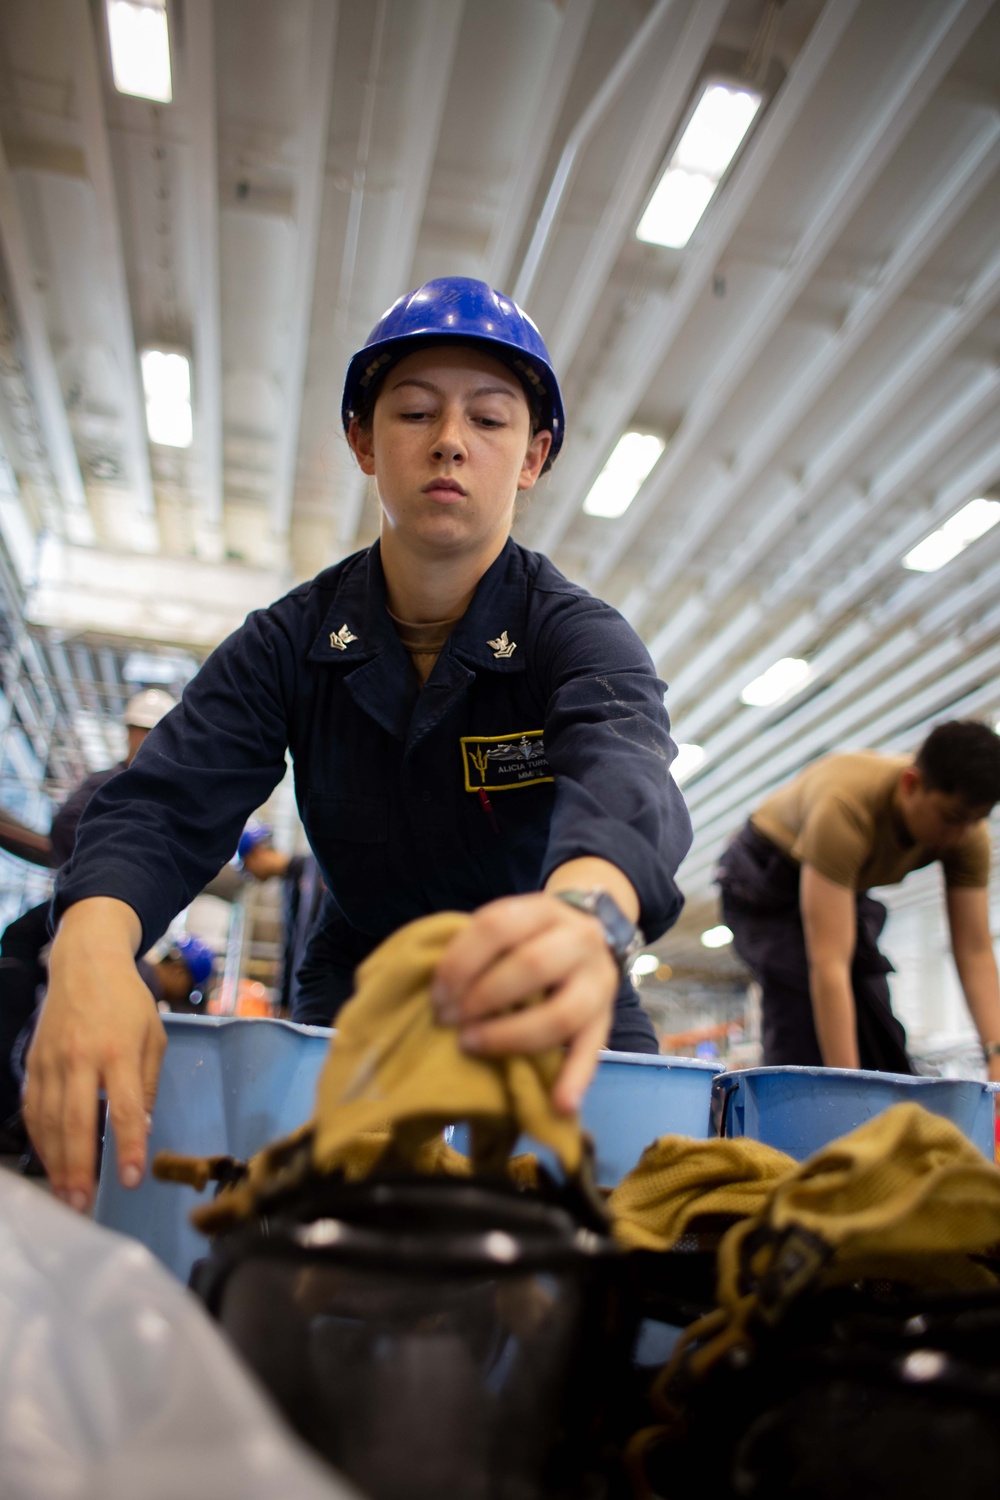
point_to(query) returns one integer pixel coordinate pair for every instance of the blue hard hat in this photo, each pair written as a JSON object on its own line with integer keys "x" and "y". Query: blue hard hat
{"x": 470, "y": 312}
{"x": 253, "y": 834}
{"x": 197, "y": 954}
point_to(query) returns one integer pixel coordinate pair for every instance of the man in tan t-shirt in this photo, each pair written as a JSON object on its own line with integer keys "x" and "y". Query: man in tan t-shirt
{"x": 795, "y": 885}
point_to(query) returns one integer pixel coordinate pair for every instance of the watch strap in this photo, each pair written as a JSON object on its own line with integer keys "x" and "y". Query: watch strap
{"x": 623, "y": 937}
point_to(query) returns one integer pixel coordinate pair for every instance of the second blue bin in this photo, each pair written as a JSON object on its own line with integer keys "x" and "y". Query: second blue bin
{"x": 800, "y": 1110}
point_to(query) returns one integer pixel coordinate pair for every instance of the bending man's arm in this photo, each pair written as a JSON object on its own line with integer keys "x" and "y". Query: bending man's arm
{"x": 972, "y": 946}
{"x": 99, "y": 1028}
{"x": 829, "y": 921}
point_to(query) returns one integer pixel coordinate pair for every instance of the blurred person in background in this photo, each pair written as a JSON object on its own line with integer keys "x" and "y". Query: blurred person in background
{"x": 178, "y": 977}
{"x": 302, "y": 897}
{"x": 22, "y": 972}
{"x": 796, "y": 881}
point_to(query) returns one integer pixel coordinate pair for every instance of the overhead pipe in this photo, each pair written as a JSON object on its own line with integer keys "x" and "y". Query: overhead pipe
{"x": 579, "y": 137}
{"x": 509, "y": 223}
{"x": 852, "y": 180}
{"x": 928, "y": 229}
{"x": 605, "y": 412}
{"x": 790, "y": 738}
{"x": 939, "y": 696}
{"x": 932, "y": 444}
{"x": 315, "y": 128}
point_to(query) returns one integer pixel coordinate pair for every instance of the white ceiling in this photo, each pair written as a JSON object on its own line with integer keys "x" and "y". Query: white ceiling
{"x": 822, "y": 357}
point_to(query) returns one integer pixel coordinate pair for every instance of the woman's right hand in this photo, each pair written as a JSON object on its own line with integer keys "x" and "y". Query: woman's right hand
{"x": 99, "y": 1028}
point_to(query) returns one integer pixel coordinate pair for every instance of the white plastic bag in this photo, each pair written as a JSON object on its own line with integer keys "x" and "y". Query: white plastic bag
{"x": 114, "y": 1383}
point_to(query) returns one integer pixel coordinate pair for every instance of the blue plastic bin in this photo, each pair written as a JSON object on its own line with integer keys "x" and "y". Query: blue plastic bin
{"x": 637, "y": 1097}
{"x": 800, "y": 1110}
{"x": 229, "y": 1086}
{"x": 634, "y": 1099}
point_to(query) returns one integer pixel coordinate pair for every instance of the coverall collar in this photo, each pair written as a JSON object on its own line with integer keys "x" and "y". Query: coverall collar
{"x": 358, "y": 635}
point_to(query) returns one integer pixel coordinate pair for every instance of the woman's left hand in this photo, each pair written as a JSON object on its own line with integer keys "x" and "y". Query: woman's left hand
{"x": 513, "y": 949}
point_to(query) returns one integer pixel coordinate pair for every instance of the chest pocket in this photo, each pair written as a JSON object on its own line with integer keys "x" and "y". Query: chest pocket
{"x": 353, "y": 820}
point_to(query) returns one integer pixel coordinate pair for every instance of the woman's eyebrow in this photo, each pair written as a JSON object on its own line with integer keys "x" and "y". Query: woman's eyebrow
{"x": 481, "y": 390}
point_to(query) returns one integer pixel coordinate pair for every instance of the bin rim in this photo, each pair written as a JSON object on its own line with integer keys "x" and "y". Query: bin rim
{"x": 215, "y": 1023}
{"x": 660, "y": 1060}
{"x": 910, "y": 1079}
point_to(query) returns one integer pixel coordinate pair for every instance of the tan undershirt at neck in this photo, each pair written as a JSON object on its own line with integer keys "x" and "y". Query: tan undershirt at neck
{"x": 423, "y": 643}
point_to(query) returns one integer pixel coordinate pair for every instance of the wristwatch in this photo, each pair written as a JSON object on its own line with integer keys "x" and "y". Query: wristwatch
{"x": 623, "y": 937}
{"x": 991, "y": 1050}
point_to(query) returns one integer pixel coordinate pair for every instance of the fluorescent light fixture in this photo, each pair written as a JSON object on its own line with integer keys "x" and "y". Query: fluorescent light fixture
{"x": 166, "y": 379}
{"x": 954, "y": 536}
{"x": 689, "y": 758}
{"x": 716, "y": 937}
{"x": 140, "y": 48}
{"x": 721, "y": 119}
{"x": 623, "y": 475}
{"x": 780, "y": 681}
{"x": 645, "y": 963}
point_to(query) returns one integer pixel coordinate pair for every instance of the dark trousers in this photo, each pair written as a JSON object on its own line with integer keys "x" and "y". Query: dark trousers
{"x": 21, "y": 974}
{"x": 760, "y": 903}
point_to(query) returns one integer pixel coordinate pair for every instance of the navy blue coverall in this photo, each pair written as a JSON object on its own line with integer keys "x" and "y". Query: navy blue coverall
{"x": 540, "y": 737}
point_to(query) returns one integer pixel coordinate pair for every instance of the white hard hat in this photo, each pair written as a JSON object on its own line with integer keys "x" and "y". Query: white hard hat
{"x": 146, "y": 709}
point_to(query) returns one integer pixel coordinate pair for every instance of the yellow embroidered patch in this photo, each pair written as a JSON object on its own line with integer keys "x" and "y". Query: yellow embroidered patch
{"x": 500, "y": 761}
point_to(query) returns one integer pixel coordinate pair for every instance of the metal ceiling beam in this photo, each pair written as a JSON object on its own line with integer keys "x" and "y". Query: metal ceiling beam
{"x": 847, "y": 524}
{"x": 961, "y": 185}
{"x": 922, "y": 357}
{"x": 392, "y": 255}
{"x": 974, "y": 404}
{"x": 516, "y": 202}
{"x": 647, "y": 340}
{"x": 579, "y": 137}
{"x": 97, "y": 154}
{"x": 765, "y": 743}
{"x": 762, "y": 736}
{"x": 709, "y": 710}
{"x": 199, "y": 38}
{"x": 793, "y": 641}
{"x": 315, "y": 128}
{"x": 645, "y": 155}
{"x": 936, "y": 698}
{"x": 922, "y": 665}
{"x": 42, "y": 372}
{"x": 760, "y": 733}
{"x": 116, "y": 692}
{"x": 853, "y": 178}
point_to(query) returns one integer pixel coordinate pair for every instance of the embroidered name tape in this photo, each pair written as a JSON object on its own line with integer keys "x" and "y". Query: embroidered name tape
{"x": 501, "y": 761}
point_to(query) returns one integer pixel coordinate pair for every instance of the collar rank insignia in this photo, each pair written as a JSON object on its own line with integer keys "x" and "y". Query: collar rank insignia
{"x": 340, "y": 639}
{"x": 502, "y": 648}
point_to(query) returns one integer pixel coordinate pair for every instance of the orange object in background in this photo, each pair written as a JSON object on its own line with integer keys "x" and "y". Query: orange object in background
{"x": 252, "y": 999}
{"x": 677, "y": 1042}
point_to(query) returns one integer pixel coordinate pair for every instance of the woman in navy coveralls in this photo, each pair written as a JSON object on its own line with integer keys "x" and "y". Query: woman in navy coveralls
{"x": 526, "y": 780}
